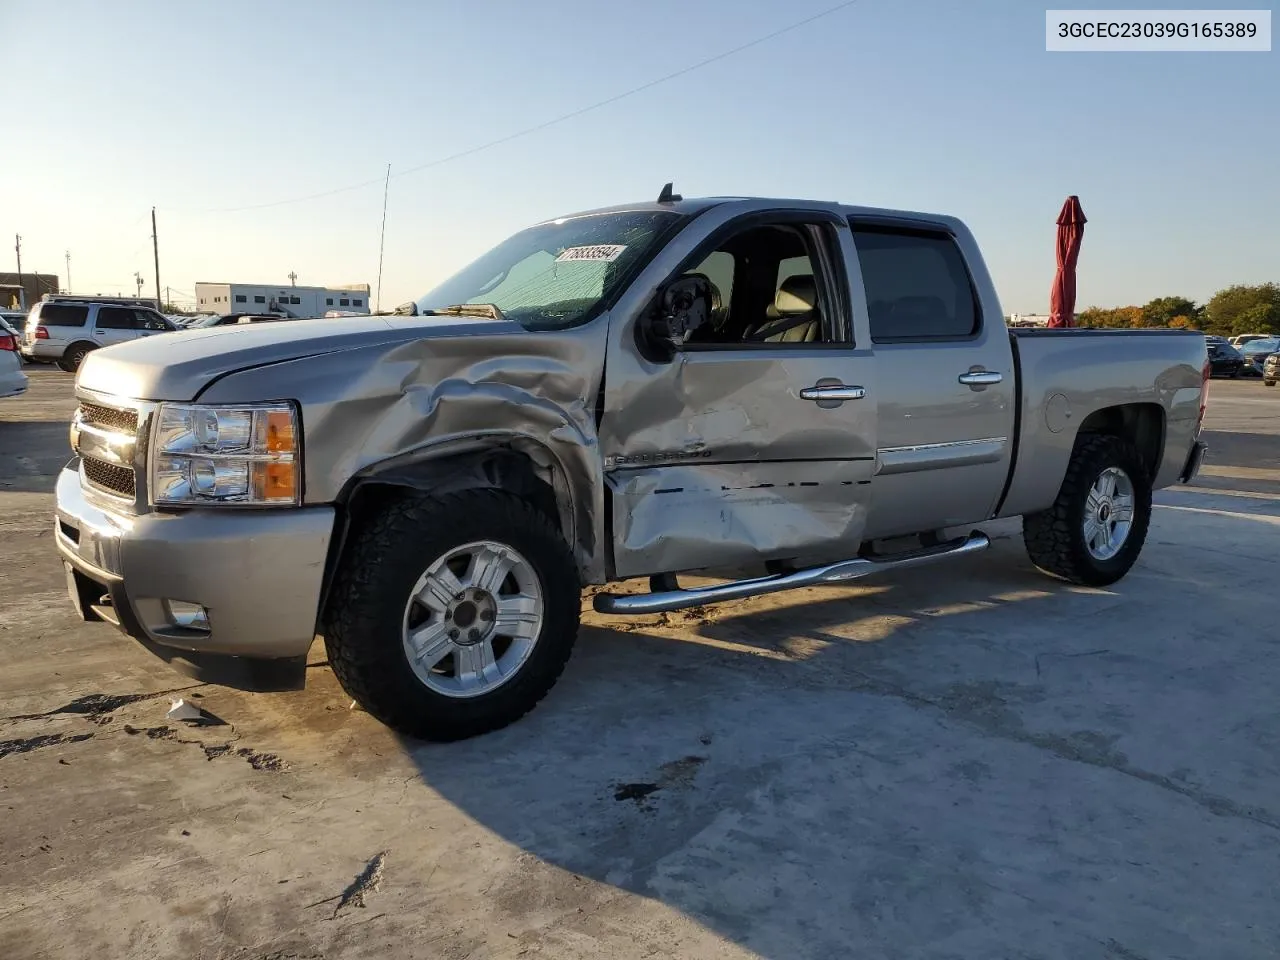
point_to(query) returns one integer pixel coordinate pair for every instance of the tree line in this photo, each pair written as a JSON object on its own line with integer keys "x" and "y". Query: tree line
{"x": 1235, "y": 310}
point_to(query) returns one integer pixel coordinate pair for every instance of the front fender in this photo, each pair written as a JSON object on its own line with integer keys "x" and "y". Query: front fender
{"x": 388, "y": 407}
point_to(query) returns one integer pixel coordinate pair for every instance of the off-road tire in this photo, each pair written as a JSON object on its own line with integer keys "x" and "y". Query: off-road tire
{"x": 1055, "y": 537}
{"x": 1269, "y": 383}
{"x": 363, "y": 618}
{"x": 74, "y": 356}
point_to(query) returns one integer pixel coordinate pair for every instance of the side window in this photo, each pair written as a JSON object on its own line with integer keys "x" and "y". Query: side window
{"x": 114, "y": 318}
{"x": 357, "y": 303}
{"x": 259, "y": 298}
{"x": 344, "y": 302}
{"x": 242, "y": 298}
{"x": 62, "y": 315}
{"x": 328, "y": 301}
{"x": 766, "y": 290}
{"x": 917, "y": 285}
{"x": 295, "y": 300}
{"x": 151, "y": 321}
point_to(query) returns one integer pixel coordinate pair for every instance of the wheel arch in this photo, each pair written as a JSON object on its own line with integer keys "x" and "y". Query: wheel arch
{"x": 1142, "y": 424}
{"x": 514, "y": 464}
{"x": 88, "y": 345}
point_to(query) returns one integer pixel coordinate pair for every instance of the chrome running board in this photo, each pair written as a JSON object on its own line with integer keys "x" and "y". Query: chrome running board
{"x": 832, "y": 573}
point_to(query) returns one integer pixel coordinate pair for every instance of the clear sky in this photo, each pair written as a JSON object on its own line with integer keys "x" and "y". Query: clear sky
{"x": 923, "y": 104}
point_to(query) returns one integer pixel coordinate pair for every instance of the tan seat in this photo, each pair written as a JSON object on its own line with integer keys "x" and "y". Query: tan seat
{"x": 795, "y": 312}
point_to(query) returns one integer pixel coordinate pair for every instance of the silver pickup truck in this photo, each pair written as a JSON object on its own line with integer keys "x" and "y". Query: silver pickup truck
{"x": 800, "y": 393}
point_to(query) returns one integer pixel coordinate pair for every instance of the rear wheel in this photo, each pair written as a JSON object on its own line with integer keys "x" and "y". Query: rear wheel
{"x": 1095, "y": 529}
{"x": 454, "y": 616}
{"x": 74, "y": 356}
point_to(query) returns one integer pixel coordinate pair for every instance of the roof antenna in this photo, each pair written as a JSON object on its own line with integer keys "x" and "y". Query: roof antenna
{"x": 666, "y": 196}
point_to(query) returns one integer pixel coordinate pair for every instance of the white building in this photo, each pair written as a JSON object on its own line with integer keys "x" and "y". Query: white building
{"x": 225, "y": 298}
{"x": 1027, "y": 320}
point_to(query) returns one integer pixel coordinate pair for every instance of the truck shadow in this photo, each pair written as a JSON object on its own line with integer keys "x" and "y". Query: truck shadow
{"x": 847, "y": 765}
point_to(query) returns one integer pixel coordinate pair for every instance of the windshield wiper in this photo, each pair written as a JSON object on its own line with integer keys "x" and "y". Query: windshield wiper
{"x": 489, "y": 310}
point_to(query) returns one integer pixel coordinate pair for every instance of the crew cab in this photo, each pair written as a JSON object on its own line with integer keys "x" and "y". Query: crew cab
{"x": 808, "y": 392}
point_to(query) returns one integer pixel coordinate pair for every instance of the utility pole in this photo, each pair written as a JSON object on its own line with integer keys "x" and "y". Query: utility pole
{"x": 293, "y": 277}
{"x": 22, "y": 290}
{"x": 382, "y": 237}
{"x": 68, "y": 290}
{"x": 155, "y": 249}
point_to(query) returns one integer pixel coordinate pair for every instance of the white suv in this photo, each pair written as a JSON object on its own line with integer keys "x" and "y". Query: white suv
{"x": 65, "y": 331}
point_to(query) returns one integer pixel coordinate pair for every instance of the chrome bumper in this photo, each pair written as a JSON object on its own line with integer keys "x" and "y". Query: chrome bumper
{"x": 258, "y": 574}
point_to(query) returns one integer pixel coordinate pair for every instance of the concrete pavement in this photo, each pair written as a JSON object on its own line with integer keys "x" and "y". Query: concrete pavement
{"x": 965, "y": 761}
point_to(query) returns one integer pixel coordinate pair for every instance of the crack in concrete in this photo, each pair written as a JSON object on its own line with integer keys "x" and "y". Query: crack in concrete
{"x": 27, "y": 744}
{"x": 95, "y": 705}
{"x": 269, "y": 762}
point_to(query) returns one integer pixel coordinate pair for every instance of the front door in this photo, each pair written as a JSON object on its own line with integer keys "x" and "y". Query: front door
{"x": 758, "y": 440}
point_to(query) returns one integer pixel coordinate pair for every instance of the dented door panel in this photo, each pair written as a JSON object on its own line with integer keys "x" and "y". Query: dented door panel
{"x": 716, "y": 457}
{"x": 696, "y": 515}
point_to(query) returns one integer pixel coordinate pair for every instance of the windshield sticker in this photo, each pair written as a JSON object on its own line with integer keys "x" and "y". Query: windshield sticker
{"x": 600, "y": 253}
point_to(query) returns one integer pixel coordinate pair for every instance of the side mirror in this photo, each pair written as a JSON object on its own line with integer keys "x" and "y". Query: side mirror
{"x": 683, "y": 307}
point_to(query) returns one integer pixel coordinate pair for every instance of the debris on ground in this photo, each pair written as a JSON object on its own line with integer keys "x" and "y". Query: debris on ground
{"x": 183, "y": 710}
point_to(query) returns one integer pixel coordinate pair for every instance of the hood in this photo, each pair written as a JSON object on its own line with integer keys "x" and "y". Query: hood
{"x": 178, "y": 365}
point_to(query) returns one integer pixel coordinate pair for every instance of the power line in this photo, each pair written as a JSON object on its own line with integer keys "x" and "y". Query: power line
{"x": 556, "y": 120}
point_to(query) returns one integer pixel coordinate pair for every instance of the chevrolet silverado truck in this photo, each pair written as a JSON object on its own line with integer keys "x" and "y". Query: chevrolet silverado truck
{"x": 802, "y": 393}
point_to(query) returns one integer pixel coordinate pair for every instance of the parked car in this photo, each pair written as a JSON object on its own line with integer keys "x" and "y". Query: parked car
{"x": 1242, "y": 339}
{"x": 640, "y": 391}
{"x": 1271, "y": 369}
{"x": 1256, "y": 352}
{"x": 65, "y": 332}
{"x": 13, "y": 381}
{"x": 1224, "y": 359}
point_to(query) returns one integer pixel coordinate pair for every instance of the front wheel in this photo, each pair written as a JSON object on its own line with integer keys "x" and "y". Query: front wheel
{"x": 1269, "y": 383}
{"x": 1094, "y": 531}
{"x": 453, "y": 616}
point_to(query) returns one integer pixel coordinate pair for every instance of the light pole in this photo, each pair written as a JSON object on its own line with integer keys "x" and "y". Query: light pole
{"x": 68, "y": 290}
{"x": 137, "y": 278}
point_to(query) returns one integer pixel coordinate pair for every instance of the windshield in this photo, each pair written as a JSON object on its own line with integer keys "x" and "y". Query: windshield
{"x": 558, "y": 274}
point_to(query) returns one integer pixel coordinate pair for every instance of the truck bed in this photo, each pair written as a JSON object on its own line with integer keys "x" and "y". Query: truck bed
{"x": 1067, "y": 376}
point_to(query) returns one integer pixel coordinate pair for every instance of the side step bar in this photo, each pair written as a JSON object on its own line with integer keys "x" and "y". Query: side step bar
{"x": 832, "y": 573}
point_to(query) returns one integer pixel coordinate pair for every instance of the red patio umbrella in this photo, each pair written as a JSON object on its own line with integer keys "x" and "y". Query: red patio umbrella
{"x": 1062, "y": 298}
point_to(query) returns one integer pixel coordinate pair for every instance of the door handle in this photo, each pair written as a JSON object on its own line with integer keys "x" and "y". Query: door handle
{"x": 981, "y": 378}
{"x": 834, "y": 391}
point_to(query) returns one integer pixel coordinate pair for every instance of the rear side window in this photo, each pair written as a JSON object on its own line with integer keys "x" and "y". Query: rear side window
{"x": 63, "y": 315}
{"x": 115, "y": 318}
{"x": 917, "y": 285}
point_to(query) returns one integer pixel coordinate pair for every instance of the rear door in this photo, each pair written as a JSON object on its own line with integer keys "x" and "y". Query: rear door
{"x": 114, "y": 325}
{"x": 758, "y": 441}
{"x": 947, "y": 384}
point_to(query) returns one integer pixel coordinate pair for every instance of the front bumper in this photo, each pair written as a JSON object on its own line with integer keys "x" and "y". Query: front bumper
{"x": 257, "y": 573}
{"x": 1194, "y": 459}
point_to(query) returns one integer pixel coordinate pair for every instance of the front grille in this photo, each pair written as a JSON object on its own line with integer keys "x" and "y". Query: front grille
{"x": 119, "y": 480}
{"x": 119, "y": 421}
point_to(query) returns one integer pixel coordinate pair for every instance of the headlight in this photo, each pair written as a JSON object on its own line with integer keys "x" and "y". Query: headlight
{"x": 241, "y": 454}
